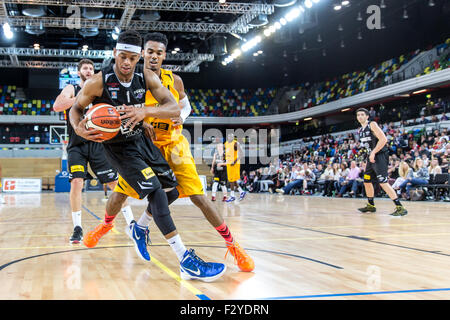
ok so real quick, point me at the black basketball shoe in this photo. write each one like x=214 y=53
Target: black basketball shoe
x=77 y=235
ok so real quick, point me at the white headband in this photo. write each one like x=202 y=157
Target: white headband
x=128 y=47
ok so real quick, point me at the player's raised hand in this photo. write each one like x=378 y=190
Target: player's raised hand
x=133 y=114
x=92 y=135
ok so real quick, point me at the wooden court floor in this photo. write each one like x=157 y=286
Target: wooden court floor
x=304 y=248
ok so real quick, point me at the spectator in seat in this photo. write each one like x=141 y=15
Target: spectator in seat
x=350 y=181
x=344 y=171
x=426 y=160
x=328 y=178
x=444 y=117
x=337 y=176
x=423 y=120
x=417 y=176
x=403 y=170
x=309 y=179
x=296 y=181
x=434 y=167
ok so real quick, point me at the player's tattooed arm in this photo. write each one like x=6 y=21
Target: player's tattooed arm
x=92 y=88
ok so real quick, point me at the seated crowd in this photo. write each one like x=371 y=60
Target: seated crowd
x=334 y=166
x=256 y=102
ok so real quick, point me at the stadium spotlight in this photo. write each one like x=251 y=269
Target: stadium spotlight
x=359 y=17
x=308 y=4
x=294 y=13
x=7 y=31
x=405 y=14
x=115 y=33
x=222 y=1
x=345 y=3
x=316 y=1
x=236 y=53
x=337 y=6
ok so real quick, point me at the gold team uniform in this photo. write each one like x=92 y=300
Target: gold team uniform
x=231 y=154
x=173 y=145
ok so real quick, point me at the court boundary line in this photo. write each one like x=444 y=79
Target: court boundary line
x=169 y=272
x=355 y=238
x=354 y=294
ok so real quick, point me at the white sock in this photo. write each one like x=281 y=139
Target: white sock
x=128 y=214
x=224 y=190
x=240 y=190
x=144 y=220
x=76 y=218
x=177 y=246
x=214 y=188
x=232 y=193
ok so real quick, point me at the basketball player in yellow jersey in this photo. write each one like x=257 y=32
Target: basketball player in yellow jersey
x=233 y=154
x=176 y=150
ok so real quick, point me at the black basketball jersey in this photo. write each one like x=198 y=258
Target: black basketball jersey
x=117 y=94
x=368 y=139
x=220 y=158
x=74 y=139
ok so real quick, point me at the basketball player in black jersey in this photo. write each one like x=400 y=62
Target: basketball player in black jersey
x=138 y=161
x=374 y=141
x=80 y=152
x=218 y=169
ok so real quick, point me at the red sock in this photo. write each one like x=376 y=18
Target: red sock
x=225 y=233
x=109 y=219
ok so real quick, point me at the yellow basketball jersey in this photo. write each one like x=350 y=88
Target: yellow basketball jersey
x=165 y=132
x=231 y=152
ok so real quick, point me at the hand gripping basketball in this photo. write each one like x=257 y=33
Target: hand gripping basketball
x=104 y=118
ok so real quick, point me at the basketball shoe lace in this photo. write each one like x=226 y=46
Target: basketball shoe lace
x=100 y=231
x=240 y=256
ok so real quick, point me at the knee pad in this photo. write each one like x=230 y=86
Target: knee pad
x=172 y=195
x=158 y=206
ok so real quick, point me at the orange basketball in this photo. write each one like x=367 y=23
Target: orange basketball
x=105 y=118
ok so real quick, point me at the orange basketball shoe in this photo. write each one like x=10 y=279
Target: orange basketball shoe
x=241 y=258
x=92 y=237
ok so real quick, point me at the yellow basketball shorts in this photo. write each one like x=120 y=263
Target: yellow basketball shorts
x=234 y=172
x=178 y=154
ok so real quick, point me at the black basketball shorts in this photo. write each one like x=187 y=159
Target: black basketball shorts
x=220 y=176
x=377 y=171
x=141 y=166
x=93 y=153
